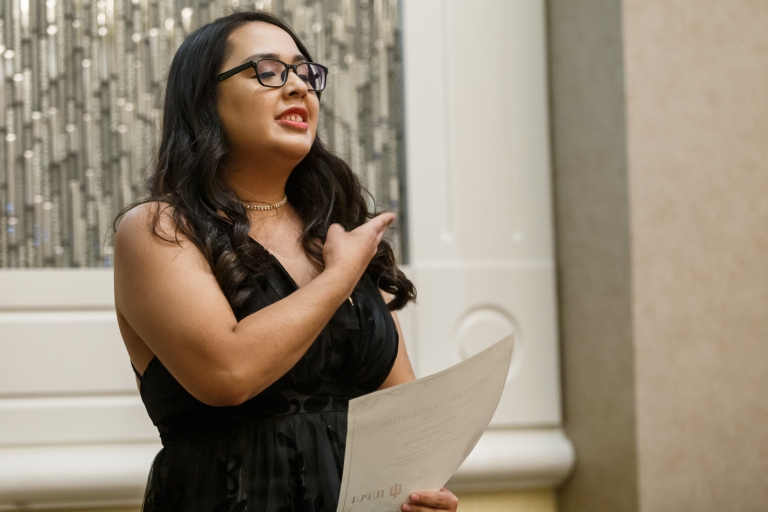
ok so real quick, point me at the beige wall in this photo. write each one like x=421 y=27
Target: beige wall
x=592 y=219
x=523 y=501
x=695 y=78
x=697 y=104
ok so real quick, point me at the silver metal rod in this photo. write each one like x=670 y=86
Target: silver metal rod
x=78 y=247
x=37 y=230
x=29 y=180
x=2 y=101
x=45 y=233
x=10 y=175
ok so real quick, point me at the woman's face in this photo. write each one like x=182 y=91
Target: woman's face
x=261 y=122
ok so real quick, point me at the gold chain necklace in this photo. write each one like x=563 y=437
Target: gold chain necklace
x=268 y=207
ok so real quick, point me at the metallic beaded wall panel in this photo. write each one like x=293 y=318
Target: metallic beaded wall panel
x=80 y=98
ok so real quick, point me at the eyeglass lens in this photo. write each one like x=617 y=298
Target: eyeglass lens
x=273 y=73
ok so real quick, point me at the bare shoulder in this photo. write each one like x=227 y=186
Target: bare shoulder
x=149 y=230
x=153 y=218
x=149 y=250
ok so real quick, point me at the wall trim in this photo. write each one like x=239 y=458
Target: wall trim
x=74 y=476
x=86 y=476
x=507 y=460
x=56 y=288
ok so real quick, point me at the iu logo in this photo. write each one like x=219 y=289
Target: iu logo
x=395 y=490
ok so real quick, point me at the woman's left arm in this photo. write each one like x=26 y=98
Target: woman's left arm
x=402 y=372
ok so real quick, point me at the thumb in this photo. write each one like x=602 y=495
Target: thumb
x=381 y=222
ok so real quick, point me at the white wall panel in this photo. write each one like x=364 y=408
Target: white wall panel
x=56 y=288
x=478 y=159
x=62 y=352
x=67 y=420
x=427 y=108
x=479 y=193
x=465 y=310
x=65 y=376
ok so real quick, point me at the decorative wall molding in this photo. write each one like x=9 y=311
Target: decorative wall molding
x=115 y=474
x=74 y=475
x=52 y=289
x=505 y=460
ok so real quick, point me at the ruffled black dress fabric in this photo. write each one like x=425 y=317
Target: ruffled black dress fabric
x=282 y=450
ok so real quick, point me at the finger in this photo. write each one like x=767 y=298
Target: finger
x=442 y=500
x=381 y=222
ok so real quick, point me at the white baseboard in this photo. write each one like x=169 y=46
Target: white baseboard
x=74 y=476
x=505 y=460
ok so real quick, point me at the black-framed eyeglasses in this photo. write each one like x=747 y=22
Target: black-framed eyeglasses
x=274 y=73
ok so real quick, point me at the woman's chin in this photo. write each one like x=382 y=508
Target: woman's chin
x=290 y=150
x=295 y=151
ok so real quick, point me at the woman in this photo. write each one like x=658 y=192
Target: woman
x=253 y=297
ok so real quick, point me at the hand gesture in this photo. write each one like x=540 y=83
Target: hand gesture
x=350 y=252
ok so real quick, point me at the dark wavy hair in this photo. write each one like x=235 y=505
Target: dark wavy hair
x=322 y=188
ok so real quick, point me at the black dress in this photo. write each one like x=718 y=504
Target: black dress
x=282 y=450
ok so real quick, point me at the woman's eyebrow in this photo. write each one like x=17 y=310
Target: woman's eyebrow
x=257 y=56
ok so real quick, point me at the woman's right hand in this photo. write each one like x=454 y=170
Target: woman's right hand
x=350 y=252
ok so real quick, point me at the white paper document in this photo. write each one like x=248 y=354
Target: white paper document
x=414 y=436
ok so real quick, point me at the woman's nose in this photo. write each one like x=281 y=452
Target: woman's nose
x=294 y=84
